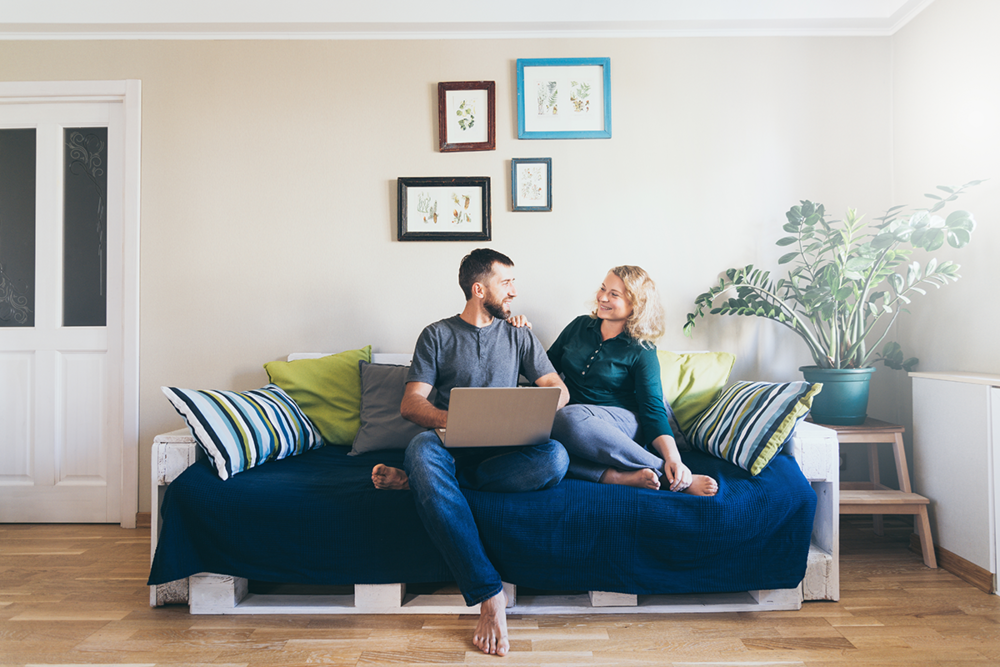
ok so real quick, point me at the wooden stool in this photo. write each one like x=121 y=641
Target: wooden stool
x=874 y=497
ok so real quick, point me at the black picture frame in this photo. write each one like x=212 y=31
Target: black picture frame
x=443 y=209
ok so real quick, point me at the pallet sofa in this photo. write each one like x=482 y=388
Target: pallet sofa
x=313 y=521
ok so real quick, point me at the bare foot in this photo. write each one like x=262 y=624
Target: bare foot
x=702 y=485
x=392 y=479
x=641 y=479
x=491 y=630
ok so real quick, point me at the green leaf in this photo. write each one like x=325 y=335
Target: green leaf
x=883 y=240
x=960 y=220
x=958 y=238
x=937 y=239
x=947 y=189
x=920 y=219
x=788 y=240
x=785 y=259
x=859 y=263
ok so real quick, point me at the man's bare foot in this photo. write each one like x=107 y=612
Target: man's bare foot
x=491 y=630
x=702 y=485
x=641 y=479
x=392 y=479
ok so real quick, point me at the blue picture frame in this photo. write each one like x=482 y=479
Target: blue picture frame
x=582 y=86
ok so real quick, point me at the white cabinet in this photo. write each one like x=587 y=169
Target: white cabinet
x=956 y=428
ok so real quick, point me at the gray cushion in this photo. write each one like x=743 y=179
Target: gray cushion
x=382 y=427
x=679 y=438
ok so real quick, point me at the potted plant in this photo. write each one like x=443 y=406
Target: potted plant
x=847 y=284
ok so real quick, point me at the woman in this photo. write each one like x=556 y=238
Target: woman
x=616 y=428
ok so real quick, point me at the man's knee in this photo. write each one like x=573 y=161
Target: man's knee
x=556 y=463
x=425 y=450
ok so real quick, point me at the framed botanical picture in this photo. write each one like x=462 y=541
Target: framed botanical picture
x=444 y=209
x=467 y=116
x=531 y=183
x=564 y=98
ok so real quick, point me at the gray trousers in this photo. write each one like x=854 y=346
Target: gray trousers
x=599 y=437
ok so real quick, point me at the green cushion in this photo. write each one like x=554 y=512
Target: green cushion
x=692 y=381
x=327 y=389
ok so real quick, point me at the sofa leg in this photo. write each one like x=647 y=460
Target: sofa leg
x=785 y=598
x=510 y=590
x=606 y=599
x=174 y=592
x=215 y=593
x=379 y=596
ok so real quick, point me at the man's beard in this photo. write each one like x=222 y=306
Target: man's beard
x=497 y=308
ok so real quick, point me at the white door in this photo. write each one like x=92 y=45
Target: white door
x=61 y=378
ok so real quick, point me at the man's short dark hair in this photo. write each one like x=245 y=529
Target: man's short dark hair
x=477 y=267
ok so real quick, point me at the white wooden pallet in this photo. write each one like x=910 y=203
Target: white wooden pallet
x=218 y=594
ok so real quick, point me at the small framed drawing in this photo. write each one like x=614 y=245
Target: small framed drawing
x=444 y=209
x=467 y=116
x=531 y=183
x=564 y=98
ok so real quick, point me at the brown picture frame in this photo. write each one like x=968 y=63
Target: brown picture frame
x=461 y=106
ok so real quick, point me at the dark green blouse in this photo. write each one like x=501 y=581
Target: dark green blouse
x=618 y=372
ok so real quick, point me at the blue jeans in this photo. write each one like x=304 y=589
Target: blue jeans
x=436 y=475
x=598 y=437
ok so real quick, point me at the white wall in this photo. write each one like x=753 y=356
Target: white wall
x=268 y=191
x=946 y=120
x=946 y=131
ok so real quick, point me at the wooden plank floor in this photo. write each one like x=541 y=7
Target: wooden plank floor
x=76 y=595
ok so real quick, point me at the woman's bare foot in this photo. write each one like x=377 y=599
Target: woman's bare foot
x=392 y=479
x=702 y=485
x=491 y=630
x=641 y=479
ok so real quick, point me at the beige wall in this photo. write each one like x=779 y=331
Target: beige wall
x=268 y=186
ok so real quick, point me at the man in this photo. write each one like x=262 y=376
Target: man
x=476 y=348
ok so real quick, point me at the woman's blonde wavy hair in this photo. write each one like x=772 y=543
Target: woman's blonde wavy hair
x=646 y=323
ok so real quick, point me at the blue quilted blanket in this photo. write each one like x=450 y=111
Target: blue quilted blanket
x=316 y=519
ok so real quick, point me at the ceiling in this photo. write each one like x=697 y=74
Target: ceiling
x=446 y=19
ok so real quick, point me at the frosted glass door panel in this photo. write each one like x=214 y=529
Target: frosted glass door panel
x=17 y=227
x=85 y=222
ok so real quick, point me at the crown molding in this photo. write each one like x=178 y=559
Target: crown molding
x=438 y=31
x=432 y=19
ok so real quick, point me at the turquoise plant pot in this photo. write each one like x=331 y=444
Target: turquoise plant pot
x=844 y=399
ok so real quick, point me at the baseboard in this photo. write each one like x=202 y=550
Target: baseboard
x=143 y=520
x=958 y=566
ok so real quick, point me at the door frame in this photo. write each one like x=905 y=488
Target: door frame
x=128 y=94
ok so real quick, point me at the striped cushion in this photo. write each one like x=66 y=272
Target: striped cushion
x=239 y=430
x=750 y=422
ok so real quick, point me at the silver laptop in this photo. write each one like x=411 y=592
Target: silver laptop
x=499 y=416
